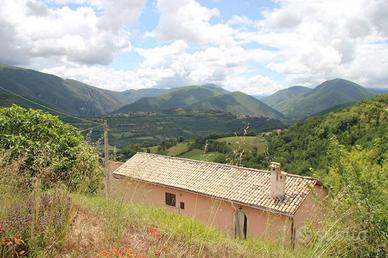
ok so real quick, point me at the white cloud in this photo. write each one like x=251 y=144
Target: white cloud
x=80 y=35
x=171 y=66
x=320 y=40
x=306 y=41
x=163 y=55
x=241 y=20
x=257 y=84
x=188 y=20
x=112 y=79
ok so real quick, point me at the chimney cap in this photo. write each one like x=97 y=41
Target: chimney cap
x=274 y=165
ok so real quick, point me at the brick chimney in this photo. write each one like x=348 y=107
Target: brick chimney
x=278 y=181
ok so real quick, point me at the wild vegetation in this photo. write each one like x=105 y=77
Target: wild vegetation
x=48 y=149
x=348 y=151
x=304 y=146
x=46 y=212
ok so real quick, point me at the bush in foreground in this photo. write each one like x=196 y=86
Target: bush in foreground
x=49 y=149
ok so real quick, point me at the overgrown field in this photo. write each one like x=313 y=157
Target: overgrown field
x=156 y=127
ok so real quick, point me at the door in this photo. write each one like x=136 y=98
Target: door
x=240 y=224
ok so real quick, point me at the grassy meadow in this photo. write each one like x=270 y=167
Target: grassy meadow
x=248 y=143
x=198 y=154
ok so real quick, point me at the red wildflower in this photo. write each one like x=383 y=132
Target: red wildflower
x=17 y=240
x=154 y=233
x=152 y=230
x=22 y=252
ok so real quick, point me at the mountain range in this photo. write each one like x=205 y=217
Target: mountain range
x=68 y=96
x=80 y=99
x=178 y=98
x=77 y=98
x=299 y=102
x=203 y=98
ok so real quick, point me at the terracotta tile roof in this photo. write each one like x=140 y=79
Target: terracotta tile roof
x=238 y=184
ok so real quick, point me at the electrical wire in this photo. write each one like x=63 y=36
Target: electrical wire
x=54 y=110
x=91 y=128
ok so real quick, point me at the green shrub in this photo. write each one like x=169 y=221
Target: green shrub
x=51 y=150
x=357 y=219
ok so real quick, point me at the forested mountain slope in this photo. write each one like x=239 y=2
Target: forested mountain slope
x=281 y=99
x=237 y=103
x=327 y=95
x=178 y=98
x=305 y=144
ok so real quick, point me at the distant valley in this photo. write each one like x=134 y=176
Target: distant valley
x=151 y=115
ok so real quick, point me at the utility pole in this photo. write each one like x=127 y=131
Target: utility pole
x=114 y=152
x=106 y=159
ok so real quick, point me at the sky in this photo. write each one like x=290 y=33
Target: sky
x=254 y=46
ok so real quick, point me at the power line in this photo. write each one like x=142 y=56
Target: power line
x=54 y=110
x=84 y=130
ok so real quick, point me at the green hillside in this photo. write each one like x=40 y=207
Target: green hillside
x=68 y=96
x=7 y=99
x=65 y=95
x=134 y=95
x=237 y=103
x=325 y=96
x=280 y=99
x=203 y=99
x=178 y=98
x=305 y=145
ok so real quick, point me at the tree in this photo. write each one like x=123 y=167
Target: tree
x=51 y=150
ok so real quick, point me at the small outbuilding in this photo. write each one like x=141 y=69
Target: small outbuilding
x=243 y=202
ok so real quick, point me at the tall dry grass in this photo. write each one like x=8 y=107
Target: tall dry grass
x=33 y=222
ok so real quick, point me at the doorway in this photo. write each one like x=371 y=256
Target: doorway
x=240 y=224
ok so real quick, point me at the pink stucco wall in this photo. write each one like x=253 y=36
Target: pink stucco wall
x=310 y=212
x=217 y=213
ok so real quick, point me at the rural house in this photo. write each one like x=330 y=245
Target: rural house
x=243 y=202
